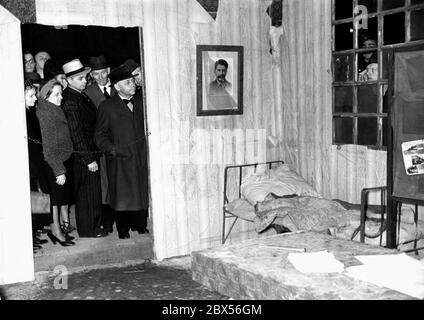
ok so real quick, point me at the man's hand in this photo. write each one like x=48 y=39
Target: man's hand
x=93 y=167
x=60 y=180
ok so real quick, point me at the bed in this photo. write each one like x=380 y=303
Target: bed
x=273 y=195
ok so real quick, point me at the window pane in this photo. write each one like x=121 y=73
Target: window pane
x=385 y=88
x=344 y=9
x=391 y=4
x=416 y=1
x=343 y=67
x=386 y=66
x=417 y=25
x=367 y=66
x=368 y=99
x=370 y=4
x=343 y=99
x=394 y=28
x=385 y=131
x=367 y=131
x=343 y=36
x=343 y=129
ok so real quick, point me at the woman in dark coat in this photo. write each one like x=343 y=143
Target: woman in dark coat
x=58 y=154
x=37 y=166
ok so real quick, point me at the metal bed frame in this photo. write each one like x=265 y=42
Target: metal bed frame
x=383 y=212
x=227 y=214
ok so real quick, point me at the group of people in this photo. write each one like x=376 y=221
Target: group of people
x=87 y=146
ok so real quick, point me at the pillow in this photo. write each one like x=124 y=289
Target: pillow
x=242 y=209
x=281 y=181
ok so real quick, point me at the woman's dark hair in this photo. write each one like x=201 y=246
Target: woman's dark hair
x=28 y=84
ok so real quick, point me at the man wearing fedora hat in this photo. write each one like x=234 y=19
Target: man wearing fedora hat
x=100 y=90
x=80 y=113
x=135 y=71
x=120 y=133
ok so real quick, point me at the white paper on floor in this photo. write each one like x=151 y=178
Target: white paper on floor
x=394 y=271
x=316 y=262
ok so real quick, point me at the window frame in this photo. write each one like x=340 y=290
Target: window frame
x=382 y=82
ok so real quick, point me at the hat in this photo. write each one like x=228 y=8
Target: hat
x=98 y=63
x=131 y=64
x=74 y=67
x=28 y=84
x=33 y=76
x=51 y=69
x=120 y=73
x=47 y=87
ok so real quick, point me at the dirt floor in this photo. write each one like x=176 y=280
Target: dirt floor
x=166 y=280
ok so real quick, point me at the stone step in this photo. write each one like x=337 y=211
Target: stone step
x=94 y=251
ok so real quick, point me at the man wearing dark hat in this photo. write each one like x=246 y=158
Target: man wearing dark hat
x=135 y=71
x=100 y=90
x=80 y=113
x=120 y=134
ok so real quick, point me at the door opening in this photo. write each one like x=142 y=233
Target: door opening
x=64 y=44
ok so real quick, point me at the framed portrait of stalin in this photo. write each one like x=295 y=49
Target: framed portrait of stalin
x=219 y=80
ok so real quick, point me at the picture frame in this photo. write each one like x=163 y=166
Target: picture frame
x=219 y=80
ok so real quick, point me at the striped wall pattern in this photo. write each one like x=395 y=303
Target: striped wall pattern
x=306 y=89
x=107 y=13
x=187 y=170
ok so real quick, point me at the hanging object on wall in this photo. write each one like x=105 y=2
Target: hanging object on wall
x=198 y=13
x=275 y=12
x=211 y=6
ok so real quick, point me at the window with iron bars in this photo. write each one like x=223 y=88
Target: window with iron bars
x=364 y=34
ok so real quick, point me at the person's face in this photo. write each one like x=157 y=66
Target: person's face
x=126 y=87
x=100 y=76
x=77 y=82
x=61 y=78
x=41 y=58
x=56 y=95
x=29 y=62
x=220 y=72
x=30 y=97
x=368 y=44
x=372 y=71
x=137 y=76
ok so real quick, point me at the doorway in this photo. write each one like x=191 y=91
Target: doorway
x=63 y=44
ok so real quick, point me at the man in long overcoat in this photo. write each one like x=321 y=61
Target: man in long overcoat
x=100 y=90
x=120 y=134
x=80 y=114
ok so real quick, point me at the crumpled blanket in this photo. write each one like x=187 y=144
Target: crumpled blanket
x=302 y=213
